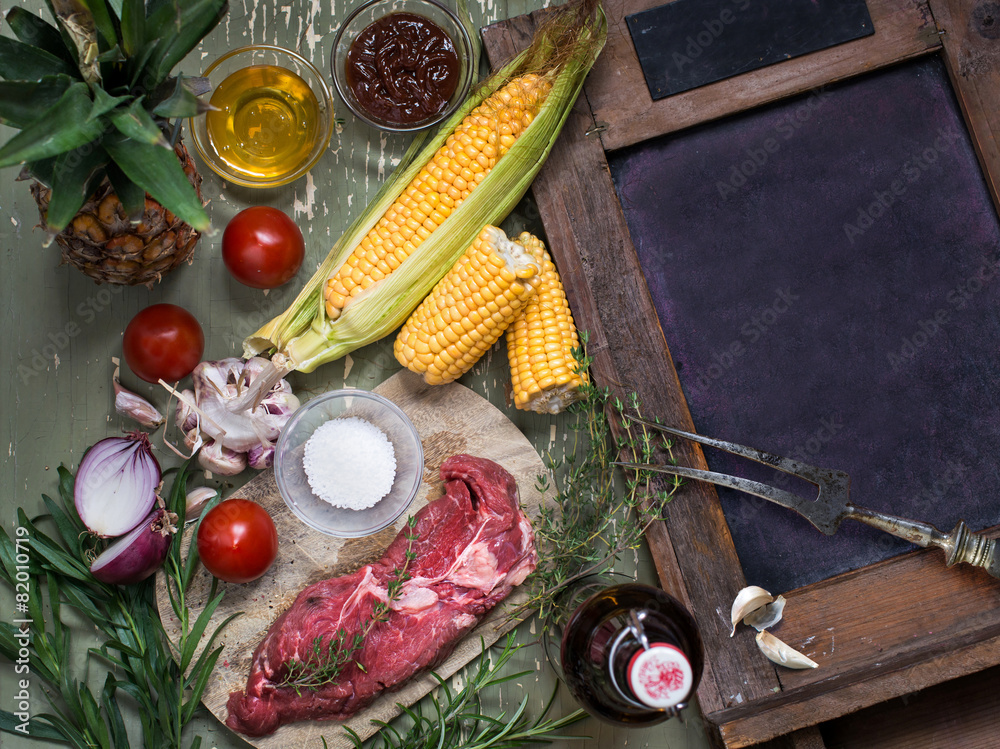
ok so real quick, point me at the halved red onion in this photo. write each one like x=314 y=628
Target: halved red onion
x=138 y=554
x=116 y=484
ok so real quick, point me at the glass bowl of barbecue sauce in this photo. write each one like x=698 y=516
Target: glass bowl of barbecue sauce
x=402 y=65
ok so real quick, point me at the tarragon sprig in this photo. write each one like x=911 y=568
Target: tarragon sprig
x=162 y=676
x=326 y=661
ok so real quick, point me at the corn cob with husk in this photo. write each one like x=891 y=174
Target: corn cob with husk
x=469 y=309
x=541 y=340
x=537 y=89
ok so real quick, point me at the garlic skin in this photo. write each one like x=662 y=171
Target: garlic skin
x=217 y=415
x=748 y=601
x=261 y=456
x=767 y=615
x=220 y=460
x=135 y=407
x=196 y=499
x=781 y=653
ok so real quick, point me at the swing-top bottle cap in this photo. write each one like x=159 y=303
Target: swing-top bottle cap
x=661 y=676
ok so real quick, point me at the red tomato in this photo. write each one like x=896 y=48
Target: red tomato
x=262 y=247
x=163 y=341
x=237 y=541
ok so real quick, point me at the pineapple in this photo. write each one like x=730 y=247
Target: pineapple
x=93 y=99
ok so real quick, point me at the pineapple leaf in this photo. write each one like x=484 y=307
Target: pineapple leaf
x=78 y=22
x=101 y=20
x=72 y=178
x=37 y=32
x=22 y=62
x=112 y=55
x=158 y=171
x=182 y=101
x=175 y=28
x=23 y=102
x=133 y=15
x=132 y=196
x=103 y=103
x=136 y=123
x=62 y=127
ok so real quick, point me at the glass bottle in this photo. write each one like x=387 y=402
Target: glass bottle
x=630 y=653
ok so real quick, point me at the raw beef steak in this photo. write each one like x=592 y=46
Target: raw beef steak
x=473 y=546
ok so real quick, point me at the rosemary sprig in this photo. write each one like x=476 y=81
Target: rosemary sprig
x=161 y=676
x=596 y=518
x=325 y=662
x=447 y=719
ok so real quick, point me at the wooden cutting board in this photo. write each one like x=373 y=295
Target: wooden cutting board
x=450 y=419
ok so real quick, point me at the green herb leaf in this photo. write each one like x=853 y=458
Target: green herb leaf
x=133 y=15
x=159 y=172
x=37 y=729
x=119 y=736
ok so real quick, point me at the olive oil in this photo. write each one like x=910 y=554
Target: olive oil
x=266 y=123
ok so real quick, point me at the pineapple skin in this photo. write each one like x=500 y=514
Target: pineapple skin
x=102 y=243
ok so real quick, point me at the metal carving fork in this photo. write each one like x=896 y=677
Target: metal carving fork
x=832 y=505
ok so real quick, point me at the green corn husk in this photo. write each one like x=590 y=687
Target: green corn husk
x=303 y=337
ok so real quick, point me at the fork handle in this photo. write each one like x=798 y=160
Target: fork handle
x=961 y=545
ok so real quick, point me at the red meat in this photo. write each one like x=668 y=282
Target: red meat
x=473 y=546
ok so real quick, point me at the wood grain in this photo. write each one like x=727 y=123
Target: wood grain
x=620 y=99
x=450 y=419
x=879 y=632
x=610 y=301
x=970 y=32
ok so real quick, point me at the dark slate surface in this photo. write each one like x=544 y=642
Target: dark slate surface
x=688 y=43
x=827 y=275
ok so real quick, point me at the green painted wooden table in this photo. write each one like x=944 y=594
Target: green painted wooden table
x=59 y=332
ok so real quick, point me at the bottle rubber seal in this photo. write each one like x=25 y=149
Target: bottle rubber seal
x=660 y=677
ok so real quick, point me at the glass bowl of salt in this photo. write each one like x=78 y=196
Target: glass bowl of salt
x=349 y=463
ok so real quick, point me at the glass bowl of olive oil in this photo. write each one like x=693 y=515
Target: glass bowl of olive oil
x=272 y=117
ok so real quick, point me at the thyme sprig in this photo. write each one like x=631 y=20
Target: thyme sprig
x=447 y=719
x=325 y=662
x=596 y=517
x=163 y=676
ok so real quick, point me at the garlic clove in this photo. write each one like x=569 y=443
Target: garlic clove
x=748 y=601
x=134 y=406
x=220 y=460
x=196 y=499
x=767 y=615
x=781 y=653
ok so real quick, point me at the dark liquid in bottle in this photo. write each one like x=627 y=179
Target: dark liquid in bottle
x=600 y=642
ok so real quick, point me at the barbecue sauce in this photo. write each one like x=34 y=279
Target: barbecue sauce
x=631 y=654
x=402 y=69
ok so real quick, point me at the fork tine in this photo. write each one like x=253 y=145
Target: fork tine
x=805 y=471
x=764 y=491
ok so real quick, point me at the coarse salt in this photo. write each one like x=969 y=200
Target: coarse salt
x=349 y=463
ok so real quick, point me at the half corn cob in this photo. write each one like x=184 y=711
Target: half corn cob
x=306 y=335
x=541 y=340
x=468 y=155
x=469 y=309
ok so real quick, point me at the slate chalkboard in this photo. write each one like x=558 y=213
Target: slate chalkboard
x=827 y=275
x=689 y=43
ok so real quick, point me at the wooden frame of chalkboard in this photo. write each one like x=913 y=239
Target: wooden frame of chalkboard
x=933 y=623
